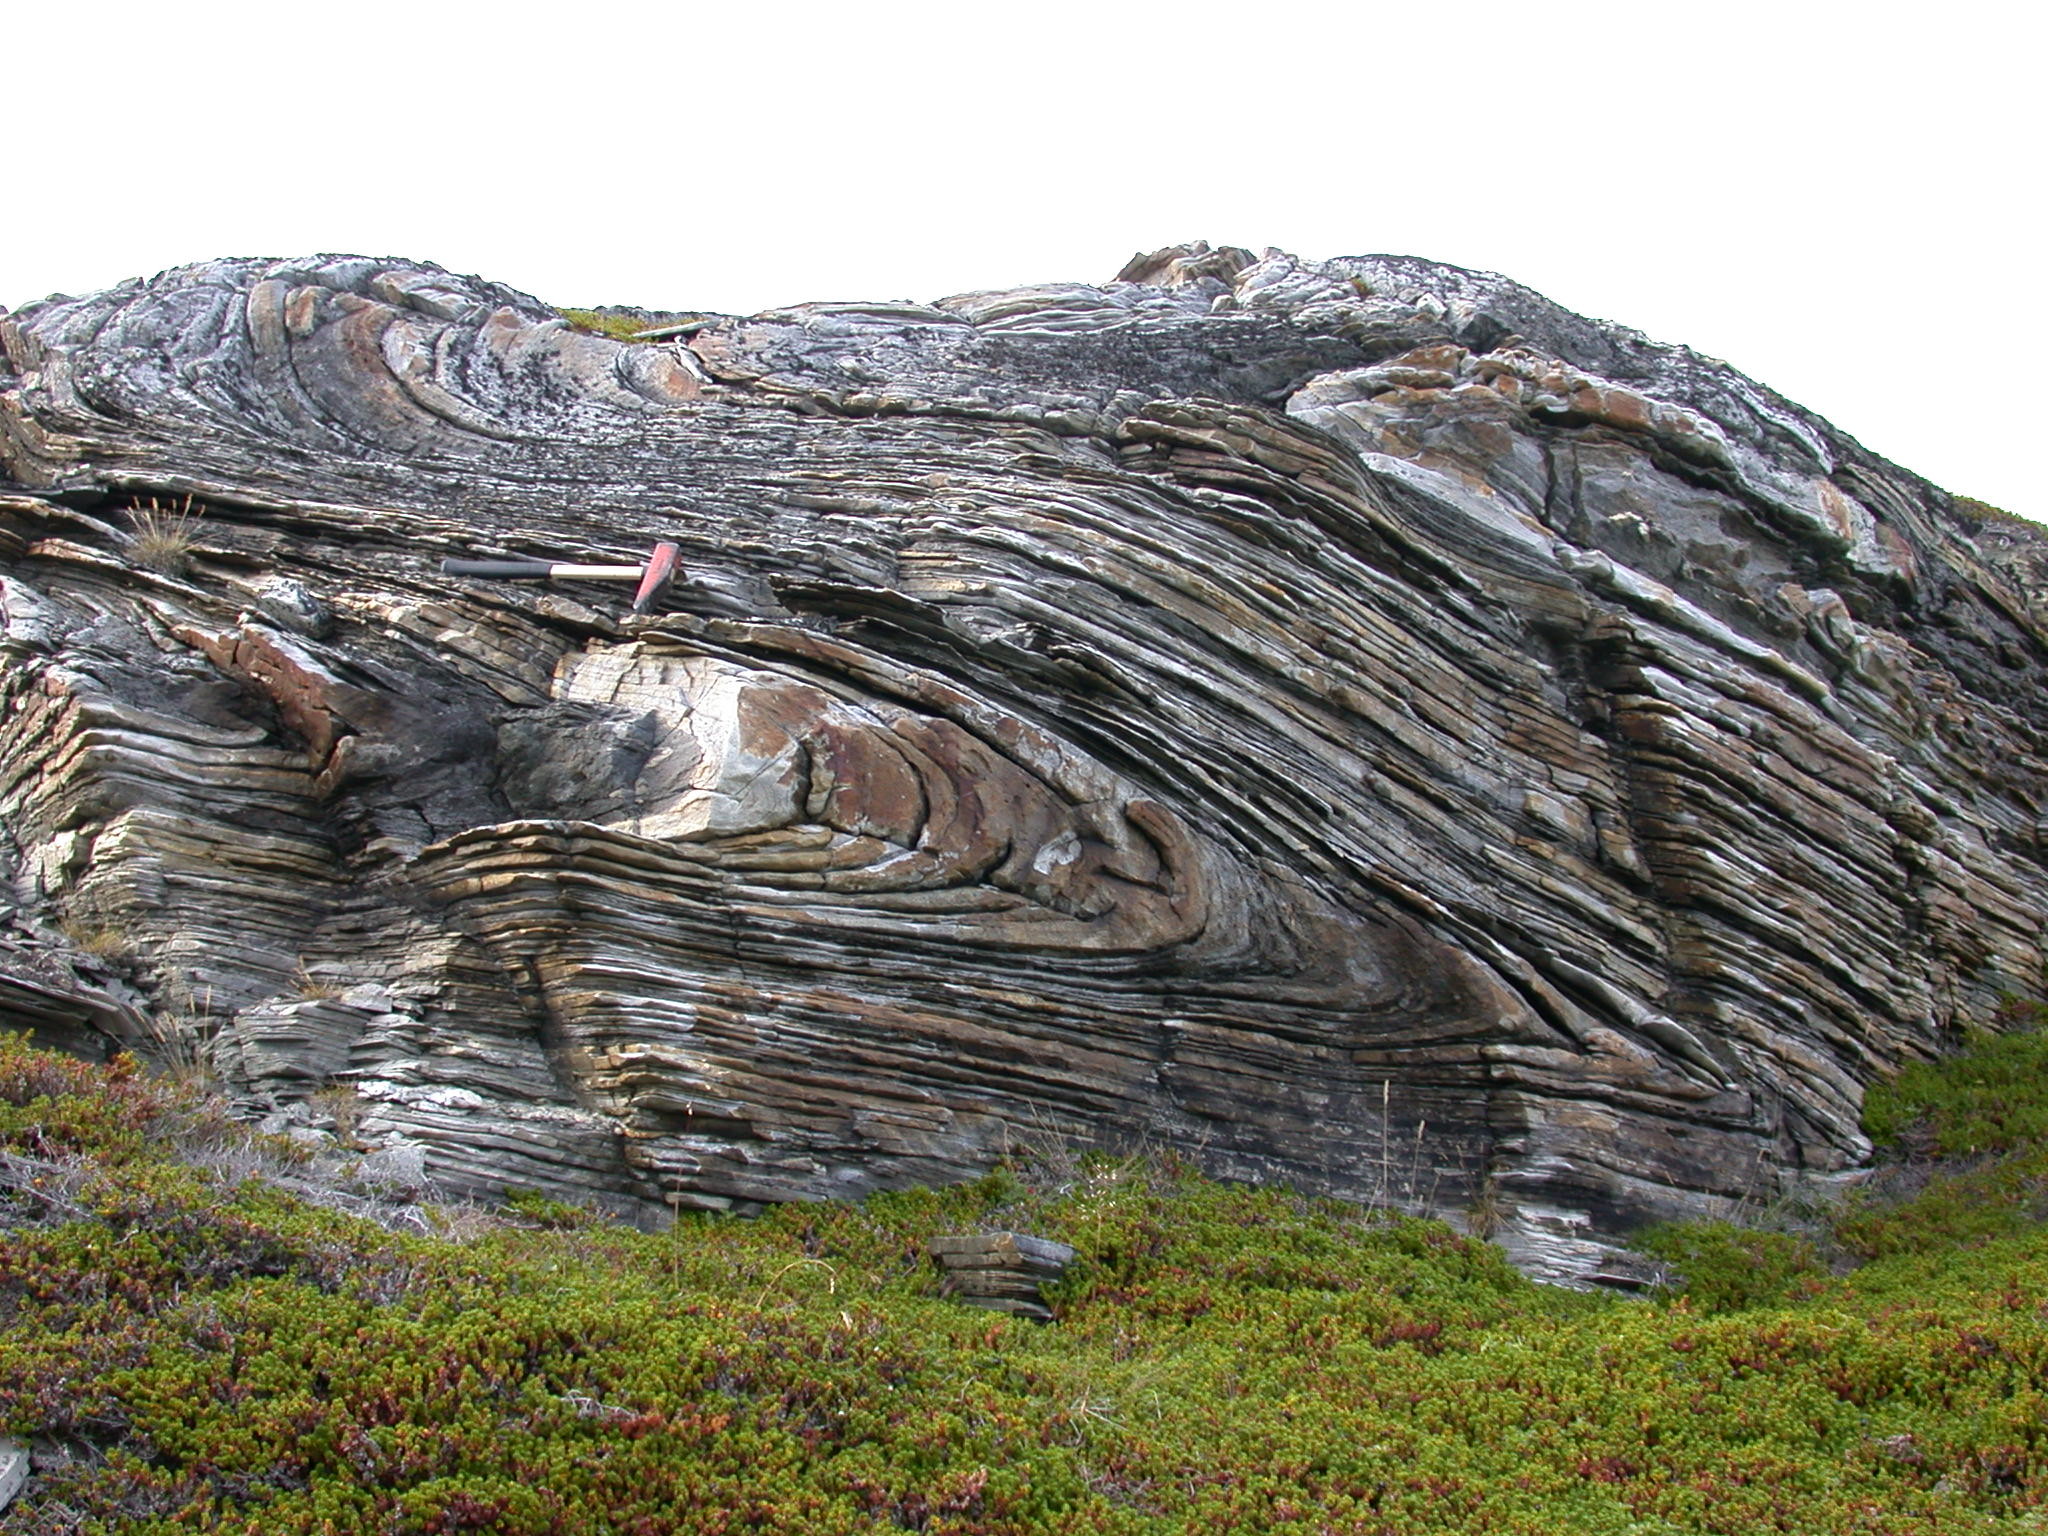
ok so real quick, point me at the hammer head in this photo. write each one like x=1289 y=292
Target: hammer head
x=661 y=570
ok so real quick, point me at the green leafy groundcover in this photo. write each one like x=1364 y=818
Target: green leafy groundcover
x=193 y=1354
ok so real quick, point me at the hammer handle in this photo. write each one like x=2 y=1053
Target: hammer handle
x=543 y=570
x=539 y=568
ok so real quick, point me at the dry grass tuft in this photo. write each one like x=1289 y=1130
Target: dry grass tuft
x=181 y=1029
x=99 y=941
x=164 y=535
x=342 y=1107
x=312 y=988
x=1488 y=1212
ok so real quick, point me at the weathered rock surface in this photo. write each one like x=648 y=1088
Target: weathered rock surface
x=1354 y=720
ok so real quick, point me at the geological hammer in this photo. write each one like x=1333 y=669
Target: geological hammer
x=654 y=576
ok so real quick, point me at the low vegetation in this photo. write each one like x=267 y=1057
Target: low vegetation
x=627 y=324
x=1985 y=512
x=191 y=1349
x=162 y=534
x=618 y=325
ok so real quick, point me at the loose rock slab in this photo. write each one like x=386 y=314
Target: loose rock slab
x=14 y=1463
x=1002 y=1271
x=1353 y=721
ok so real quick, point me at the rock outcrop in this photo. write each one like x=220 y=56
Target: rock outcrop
x=1354 y=720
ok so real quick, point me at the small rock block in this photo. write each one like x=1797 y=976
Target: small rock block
x=13 y=1470
x=1001 y=1271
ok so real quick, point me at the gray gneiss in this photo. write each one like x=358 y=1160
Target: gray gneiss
x=1354 y=721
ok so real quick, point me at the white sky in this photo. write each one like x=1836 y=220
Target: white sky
x=1839 y=199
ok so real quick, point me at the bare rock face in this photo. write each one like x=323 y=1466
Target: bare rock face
x=1354 y=721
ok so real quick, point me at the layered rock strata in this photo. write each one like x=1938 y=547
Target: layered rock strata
x=1354 y=721
x=1001 y=1271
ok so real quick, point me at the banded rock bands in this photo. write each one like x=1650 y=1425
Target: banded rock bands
x=1353 y=720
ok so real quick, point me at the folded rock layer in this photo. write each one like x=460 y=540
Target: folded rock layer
x=1353 y=721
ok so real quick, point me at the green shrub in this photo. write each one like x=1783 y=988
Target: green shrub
x=1721 y=1267
x=1990 y=1097
x=1985 y=512
x=52 y=1105
x=215 y=1356
x=534 y=1206
x=602 y=322
x=1956 y=1211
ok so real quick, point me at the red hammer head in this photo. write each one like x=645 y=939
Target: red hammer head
x=661 y=570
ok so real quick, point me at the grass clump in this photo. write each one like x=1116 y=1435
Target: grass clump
x=605 y=322
x=192 y=1352
x=1730 y=1268
x=97 y=940
x=1967 y=1144
x=1985 y=512
x=1963 y=1144
x=534 y=1206
x=163 y=536
x=314 y=988
x=1990 y=1097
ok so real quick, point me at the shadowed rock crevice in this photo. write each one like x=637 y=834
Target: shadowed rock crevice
x=1354 y=720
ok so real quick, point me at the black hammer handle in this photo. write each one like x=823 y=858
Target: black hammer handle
x=539 y=568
